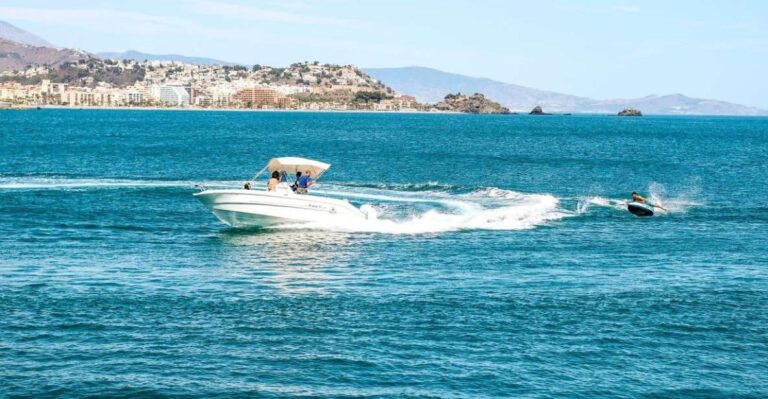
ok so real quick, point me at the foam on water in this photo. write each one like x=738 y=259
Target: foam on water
x=418 y=208
x=484 y=209
x=657 y=193
x=586 y=203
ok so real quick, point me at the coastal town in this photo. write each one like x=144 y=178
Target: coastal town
x=93 y=82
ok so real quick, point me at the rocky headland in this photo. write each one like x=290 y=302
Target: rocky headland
x=474 y=104
x=630 y=112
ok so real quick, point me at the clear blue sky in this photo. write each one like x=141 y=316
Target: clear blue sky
x=600 y=49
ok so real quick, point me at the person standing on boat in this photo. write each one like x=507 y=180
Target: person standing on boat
x=304 y=182
x=639 y=198
x=274 y=181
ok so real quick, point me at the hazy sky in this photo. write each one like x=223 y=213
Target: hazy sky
x=600 y=49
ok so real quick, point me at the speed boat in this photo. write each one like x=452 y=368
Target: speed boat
x=261 y=208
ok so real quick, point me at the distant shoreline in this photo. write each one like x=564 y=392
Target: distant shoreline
x=355 y=111
x=198 y=109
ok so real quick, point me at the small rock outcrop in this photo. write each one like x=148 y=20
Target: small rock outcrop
x=630 y=112
x=474 y=104
x=538 y=111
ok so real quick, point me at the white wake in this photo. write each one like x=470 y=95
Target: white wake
x=403 y=209
x=482 y=209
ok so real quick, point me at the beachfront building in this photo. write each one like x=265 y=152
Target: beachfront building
x=51 y=89
x=261 y=97
x=203 y=101
x=14 y=92
x=76 y=97
x=171 y=95
x=132 y=97
x=51 y=93
x=220 y=98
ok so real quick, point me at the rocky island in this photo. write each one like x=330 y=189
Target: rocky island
x=474 y=104
x=538 y=111
x=630 y=112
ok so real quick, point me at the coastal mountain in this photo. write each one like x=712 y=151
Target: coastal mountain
x=672 y=104
x=19 y=49
x=15 y=34
x=139 y=56
x=17 y=56
x=430 y=85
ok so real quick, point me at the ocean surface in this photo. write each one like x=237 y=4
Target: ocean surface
x=504 y=262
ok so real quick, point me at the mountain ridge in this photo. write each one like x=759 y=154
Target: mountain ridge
x=141 y=56
x=15 y=34
x=429 y=85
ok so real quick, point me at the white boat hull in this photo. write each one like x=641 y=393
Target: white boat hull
x=253 y=208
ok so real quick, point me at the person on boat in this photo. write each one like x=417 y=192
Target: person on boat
x=295 y=184
x=639 y=198
x=274 y=181
x=247 y=185
x=305 y=182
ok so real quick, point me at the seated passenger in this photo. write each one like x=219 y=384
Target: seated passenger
x=274 y=181
x=247 y=185
x=304 y=182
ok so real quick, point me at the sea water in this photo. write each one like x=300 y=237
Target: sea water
x=503 y=262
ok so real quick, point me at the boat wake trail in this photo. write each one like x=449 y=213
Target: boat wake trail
x=63 y=183
x=431 y=212
x=418 y=208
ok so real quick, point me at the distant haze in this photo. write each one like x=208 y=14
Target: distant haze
x=139 y=56
x=431 y=85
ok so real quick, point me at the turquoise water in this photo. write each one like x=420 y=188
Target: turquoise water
x=504 y=264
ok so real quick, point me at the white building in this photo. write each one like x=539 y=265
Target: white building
x=171 y=95
x=132 y=96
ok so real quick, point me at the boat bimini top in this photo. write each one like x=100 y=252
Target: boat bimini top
x=293 y=165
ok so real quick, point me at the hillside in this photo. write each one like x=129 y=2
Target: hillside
x=430 y=85
x=16 y=56
x=18 y=35
x=139 y=56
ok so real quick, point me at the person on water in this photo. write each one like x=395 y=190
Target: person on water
x=274 y=181
x=305 y=182
x=639 y=198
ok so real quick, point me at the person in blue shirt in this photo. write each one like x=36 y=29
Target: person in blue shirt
x=304 y=182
